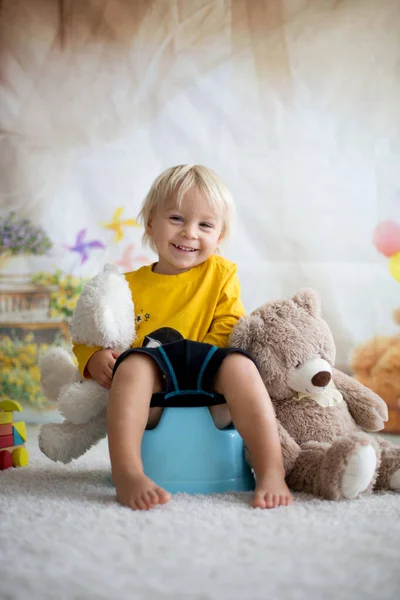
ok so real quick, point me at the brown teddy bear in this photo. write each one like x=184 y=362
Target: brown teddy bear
x=321 y=412
x=376 y=364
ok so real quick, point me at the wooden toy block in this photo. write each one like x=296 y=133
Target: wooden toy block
x=12 y=436
x=21 y=428
x=10 y=448
x=9 y=405
x=6 y=460
x=6 y=417
x=18 y=440
x=20 y=457
x=6 y=440
x=6 y=429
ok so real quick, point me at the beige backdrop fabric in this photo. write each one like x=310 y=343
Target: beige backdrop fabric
x=295 y=103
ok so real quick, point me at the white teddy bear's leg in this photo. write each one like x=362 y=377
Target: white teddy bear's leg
x=65 y=441
x=56 y=370
x=82 y=401
x=359 y=472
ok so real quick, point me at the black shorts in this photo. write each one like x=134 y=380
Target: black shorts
x=189 y=369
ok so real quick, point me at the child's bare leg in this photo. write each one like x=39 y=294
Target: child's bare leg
x=134 y=382
x=252 y=413
x=221 y=415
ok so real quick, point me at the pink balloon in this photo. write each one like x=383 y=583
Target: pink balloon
x=386 y=238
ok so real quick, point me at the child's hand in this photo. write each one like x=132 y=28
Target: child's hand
x=100 y=366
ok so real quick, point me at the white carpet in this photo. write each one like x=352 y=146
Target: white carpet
x=63 y=536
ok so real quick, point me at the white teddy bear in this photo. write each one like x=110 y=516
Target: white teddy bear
x=104 y=316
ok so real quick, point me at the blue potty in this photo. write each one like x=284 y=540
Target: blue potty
x=185 y=452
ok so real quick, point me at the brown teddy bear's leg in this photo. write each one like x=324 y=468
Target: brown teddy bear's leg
x=389 y=472
x=305 y=474
x=343 y=469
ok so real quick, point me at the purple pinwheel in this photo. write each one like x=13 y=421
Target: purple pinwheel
x=82 y=247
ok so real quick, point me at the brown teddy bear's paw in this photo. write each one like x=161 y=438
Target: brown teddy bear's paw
x=359 y=472
x=395 y=481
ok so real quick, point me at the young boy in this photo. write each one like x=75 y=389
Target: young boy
x=189 y=300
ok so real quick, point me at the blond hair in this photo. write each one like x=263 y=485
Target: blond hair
x=176 y=182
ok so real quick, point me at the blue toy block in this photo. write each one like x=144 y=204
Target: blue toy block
x=18 y=440
x=185 y=452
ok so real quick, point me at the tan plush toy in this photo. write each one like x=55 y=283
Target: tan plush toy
x=323 y=415
x=376 y=364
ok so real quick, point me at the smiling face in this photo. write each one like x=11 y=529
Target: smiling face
x=185 y=236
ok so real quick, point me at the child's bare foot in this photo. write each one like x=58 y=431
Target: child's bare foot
x=271 y=491
x=139 y=492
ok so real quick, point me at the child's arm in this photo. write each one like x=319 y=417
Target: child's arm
x=227 y=313
x=83 y=354
x=96 y=363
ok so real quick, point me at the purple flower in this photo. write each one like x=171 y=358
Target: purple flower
x=19 y=236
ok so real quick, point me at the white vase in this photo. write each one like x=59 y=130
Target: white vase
x=18 y=268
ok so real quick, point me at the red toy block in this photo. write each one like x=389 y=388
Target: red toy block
x=6 y=429
x=6 y=460
x=6 y=440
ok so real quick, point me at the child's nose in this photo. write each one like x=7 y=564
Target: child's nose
x=190 y=231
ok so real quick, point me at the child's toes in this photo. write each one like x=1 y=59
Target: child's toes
x=259 y=500
x=142 y=502
x=151 y=498
x=270 y=500
x=163 y=495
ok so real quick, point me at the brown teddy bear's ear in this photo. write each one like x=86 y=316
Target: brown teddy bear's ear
x=308 y=299
x=244 y=333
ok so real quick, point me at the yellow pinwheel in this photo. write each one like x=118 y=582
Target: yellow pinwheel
x=116 y=224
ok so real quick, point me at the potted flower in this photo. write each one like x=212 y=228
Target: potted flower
x=19 y=240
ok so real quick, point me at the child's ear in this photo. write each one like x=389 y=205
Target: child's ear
x=149 y=225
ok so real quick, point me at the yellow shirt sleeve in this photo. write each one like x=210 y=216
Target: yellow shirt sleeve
x=83 y=353
x=228 y=311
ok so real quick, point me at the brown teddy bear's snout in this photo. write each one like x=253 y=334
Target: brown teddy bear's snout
x=311 y=376
x=321 y=379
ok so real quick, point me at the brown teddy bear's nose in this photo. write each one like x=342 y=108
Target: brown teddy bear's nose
x=321 y=379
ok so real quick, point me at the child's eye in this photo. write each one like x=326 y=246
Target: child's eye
x=206 y=225
x=176 y=218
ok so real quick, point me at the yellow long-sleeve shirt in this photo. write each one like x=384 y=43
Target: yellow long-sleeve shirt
x=203 y=304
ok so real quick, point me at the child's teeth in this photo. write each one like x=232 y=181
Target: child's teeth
x=184 y=248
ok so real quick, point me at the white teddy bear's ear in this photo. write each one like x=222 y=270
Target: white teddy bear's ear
x=104 y=314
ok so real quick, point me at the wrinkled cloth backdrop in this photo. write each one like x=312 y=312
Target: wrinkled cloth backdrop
x=294 y=103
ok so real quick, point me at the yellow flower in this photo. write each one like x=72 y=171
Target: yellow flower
x=35 y=373
x=71 y=304
x=31 y=349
